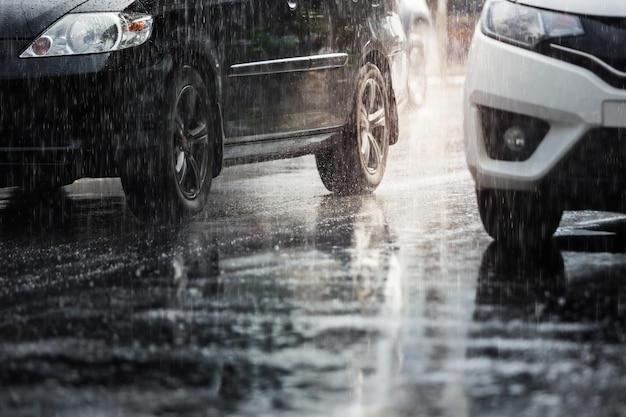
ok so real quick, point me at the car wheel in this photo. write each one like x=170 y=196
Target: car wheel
x=519 y=219
x=417 y=75
x=356 y=163
x=171 y=180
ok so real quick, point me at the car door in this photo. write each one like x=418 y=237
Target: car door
x=266 y=58
x=326 y=89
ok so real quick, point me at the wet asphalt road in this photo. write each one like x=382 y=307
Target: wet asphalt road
x=282 y=299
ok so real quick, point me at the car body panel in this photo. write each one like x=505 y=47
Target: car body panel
x=24 y=19
x=108 y=5
x=607 y=8
x=266 y=63
x=570 y=116
x=582 y=109
x=282 y=77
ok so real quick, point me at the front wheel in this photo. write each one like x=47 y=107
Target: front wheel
x=171 y=180
x=519 y=219
x=356 y=163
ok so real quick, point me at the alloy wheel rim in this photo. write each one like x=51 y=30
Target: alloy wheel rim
x=372 y=126
x=191 y=142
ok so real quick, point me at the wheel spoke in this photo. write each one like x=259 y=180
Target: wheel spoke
x=196 y=174
x=371 y=95
x=363 y=116
x=189 y=177
x=374 y=156
x=365 y=142
x=199 y=134
x=179 y=123
x=378 y=153
x=377 y=118
x=180 y=161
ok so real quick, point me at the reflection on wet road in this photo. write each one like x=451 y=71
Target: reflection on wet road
x=548 y=334
x=282 y=299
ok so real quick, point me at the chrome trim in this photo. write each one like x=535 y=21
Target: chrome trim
x=269 y=137
x=327 y=61
x=591 y=57
x=72 y=146
x=308 y=63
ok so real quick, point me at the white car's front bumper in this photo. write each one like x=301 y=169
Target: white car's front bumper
x=571 y=99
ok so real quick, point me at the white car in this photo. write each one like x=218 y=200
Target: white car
x=545 y=113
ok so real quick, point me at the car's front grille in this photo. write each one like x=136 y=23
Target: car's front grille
x=601 y=50
x=600 y=157
x=594 y=174
x=31 y=111
x=609 y=74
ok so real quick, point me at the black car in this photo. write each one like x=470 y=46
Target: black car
x=164 y=93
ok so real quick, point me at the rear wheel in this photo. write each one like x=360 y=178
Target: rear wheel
x=171 y=180
x=519 y=219
x=356 y=163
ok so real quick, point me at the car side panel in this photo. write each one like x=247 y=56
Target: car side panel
x=265 y=60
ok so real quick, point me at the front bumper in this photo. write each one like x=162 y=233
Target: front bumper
x=67 y=117
x=572 y=100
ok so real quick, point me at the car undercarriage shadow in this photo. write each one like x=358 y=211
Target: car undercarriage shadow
x=47 y=210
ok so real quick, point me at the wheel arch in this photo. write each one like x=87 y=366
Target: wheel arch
x=186 y=49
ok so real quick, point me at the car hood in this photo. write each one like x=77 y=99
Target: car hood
x=26 y=19
x=608 y=8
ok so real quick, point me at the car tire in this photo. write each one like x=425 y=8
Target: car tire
x=519 y=219
x=170 y=181
x=355 y=164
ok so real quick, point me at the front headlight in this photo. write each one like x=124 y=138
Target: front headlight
x=91 y=33
x=527 y=26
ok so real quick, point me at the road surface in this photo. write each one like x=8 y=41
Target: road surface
x=282 y=299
